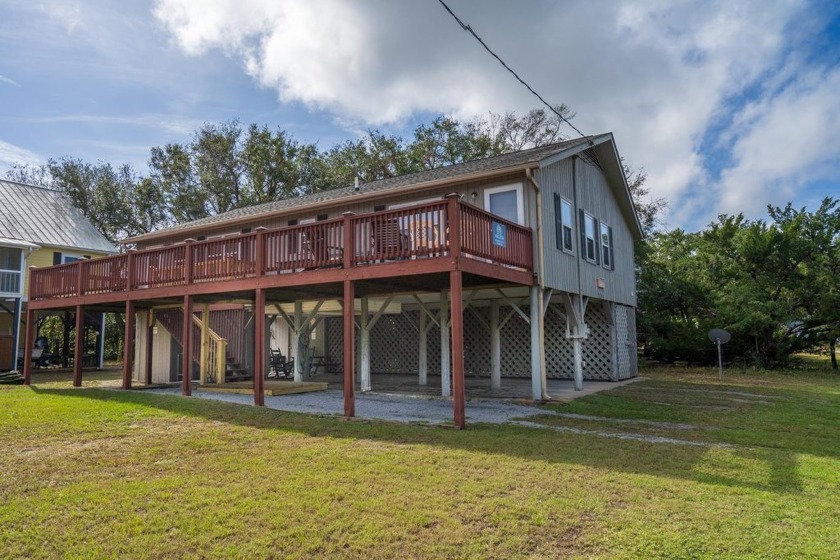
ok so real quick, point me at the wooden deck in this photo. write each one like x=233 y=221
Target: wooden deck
x=433 y=238
x=443 y=245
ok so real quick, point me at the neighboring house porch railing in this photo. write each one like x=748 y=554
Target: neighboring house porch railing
x=411 y=233
x=10 y=281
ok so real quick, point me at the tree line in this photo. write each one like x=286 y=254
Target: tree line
x=772 y=283
x=227 y=165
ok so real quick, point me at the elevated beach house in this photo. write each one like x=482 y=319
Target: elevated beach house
x=39 y=227
x=519 y=265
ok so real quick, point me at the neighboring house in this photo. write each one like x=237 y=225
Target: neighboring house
x=519 y=265
x=38 y=227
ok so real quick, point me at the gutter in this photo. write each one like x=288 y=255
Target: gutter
x=351 y=197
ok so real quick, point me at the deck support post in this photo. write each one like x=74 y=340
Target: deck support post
x=537 y=344
x=444 y=345
x=150 y=333
x=495 y=346
x=578 y=358
x=186 y=337
x=29 y=342
x=16 y=331
x=299 y=362
x=259 y=346
x=349 y=349
x=457 y=323
x=204 y=355
x=423 y=357
x=364 y=344
x=80 y=345
x=128 y=345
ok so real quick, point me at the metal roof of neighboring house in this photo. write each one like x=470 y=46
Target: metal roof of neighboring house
x=46 y=217
x=469 y=170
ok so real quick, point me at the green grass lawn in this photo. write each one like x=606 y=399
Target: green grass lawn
x=97 y=473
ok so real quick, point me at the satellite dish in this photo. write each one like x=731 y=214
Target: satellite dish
x=719 y=336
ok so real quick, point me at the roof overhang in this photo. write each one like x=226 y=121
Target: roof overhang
x=355 y=197
x=18 y=244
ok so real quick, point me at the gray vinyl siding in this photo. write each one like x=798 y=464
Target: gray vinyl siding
x=561 y=271
x=595 y=197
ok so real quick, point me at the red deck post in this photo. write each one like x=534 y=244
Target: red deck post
x=186 y=337
x=259 y=346
x=457 y=322
x=80 y=344
x=150 y=333
x=128 y=345
x=259 y=243
x=29 y=343
x=349 y=241
x=453 y=215
x=188 y=261
x=349 y=348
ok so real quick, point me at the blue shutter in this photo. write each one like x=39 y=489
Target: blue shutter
x=558 y=221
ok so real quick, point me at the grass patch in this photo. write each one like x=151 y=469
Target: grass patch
x=97 y=473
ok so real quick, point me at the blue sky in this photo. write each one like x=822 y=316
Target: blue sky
x=728 y=106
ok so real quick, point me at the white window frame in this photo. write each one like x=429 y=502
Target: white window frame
x=605 y=248
x=587 y=217
x=21 y=271
x=520 y=199
x=564 y=225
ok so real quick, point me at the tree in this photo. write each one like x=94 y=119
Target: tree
x=217 y=165
x=172 y=174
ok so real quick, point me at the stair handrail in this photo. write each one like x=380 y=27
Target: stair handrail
x=214 y=371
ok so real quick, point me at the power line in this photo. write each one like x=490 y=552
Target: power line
x=469 y=29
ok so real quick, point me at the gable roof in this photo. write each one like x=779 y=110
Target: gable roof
x=30 y=214
x=440 y=176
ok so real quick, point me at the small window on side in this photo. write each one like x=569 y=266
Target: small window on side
x=564 y=224
x=606 y=246
x=589 y=233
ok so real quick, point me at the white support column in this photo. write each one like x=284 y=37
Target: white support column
x=578 y=356
x=537 y=344
x=445 y=360
x=364 y=343
x=296 y=335
x=423 y=358
x=495 y=346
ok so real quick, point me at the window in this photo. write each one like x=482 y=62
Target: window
x=506 y=202
x=607 y=247
x=10 y=259
x=589 y=247
x=563 y=224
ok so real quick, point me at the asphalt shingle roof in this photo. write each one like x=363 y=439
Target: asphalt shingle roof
x=46 y=217
x=501 y=162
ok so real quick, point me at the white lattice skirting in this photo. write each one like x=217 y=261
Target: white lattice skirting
x=394 y=344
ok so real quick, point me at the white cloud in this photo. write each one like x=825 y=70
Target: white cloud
x=9 y=81
x=783 y=141
x=9 y=154
x=166 y=122
x=659 y=74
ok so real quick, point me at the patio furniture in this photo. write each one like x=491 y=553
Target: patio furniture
x=280 y=365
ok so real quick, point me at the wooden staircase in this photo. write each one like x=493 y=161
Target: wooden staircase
x=212 y=352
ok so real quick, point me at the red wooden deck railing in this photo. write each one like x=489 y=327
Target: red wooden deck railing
x=416 y=232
